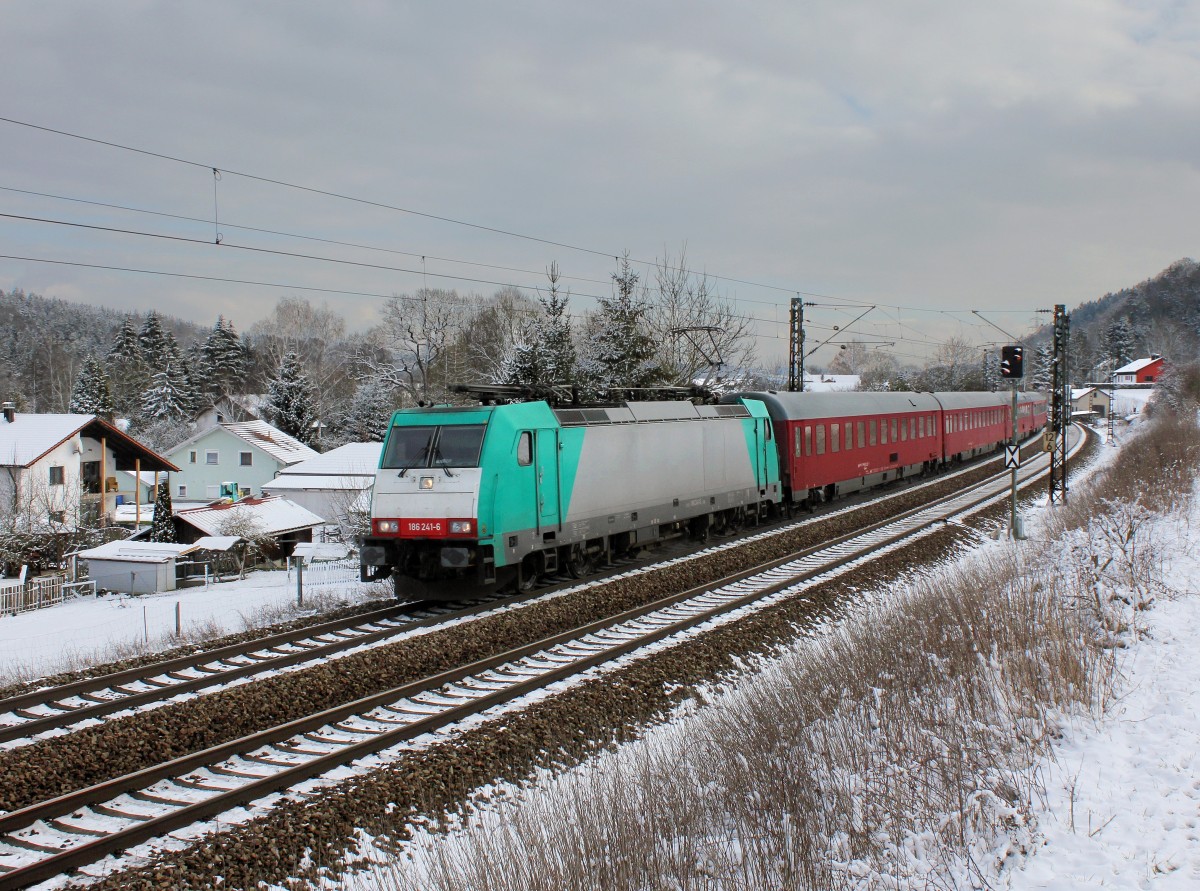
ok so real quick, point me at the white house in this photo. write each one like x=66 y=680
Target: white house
x=330 y=485
x=248 y=454
x=61 y=471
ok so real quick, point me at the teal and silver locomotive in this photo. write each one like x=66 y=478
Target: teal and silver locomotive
x=468 y=499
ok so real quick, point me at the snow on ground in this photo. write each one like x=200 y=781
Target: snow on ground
x=90 y=628
x=1123 y=794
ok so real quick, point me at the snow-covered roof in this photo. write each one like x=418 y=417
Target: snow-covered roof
x=148 y=477
x=135 y=551
x=215 y=542
x=129 y=513
x=312 y=550
x=283 y=448
x=351 y=459
x=287 y=482
x=1137 y=365
x=274 y=515
x=1077 y=393
x=28 y=437
x=825 y=383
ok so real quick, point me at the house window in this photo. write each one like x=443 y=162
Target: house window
x=56 y=475
x=212 y=491
x=210 y=457
x=191 y=457
x=246 y=459
x=182 y=490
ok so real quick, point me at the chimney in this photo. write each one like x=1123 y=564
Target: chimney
x=10 y=411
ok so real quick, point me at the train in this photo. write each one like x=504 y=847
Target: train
x=469 y=499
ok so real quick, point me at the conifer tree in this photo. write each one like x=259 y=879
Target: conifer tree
x=290 y=399
x=368 y=415
x=621 y=351
x=165 y=399
x=223 y=360
x=128 y=375
x=153 y=342
x=91 y=394
x=163 y=527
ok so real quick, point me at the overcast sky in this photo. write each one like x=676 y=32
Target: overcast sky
x=999 y=157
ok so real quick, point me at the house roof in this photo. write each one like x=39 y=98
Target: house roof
x=275 y=515
x=288 y=482
x=28 y=437
x=135 y=551
x=351 y=459
x=283 y=448
x=1137 y=365
x=1080 y=393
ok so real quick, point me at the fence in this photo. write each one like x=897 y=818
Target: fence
x=22 y=597
x=327 y=572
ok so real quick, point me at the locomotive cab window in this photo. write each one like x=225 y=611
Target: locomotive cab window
x=525 y=449
x=450 y=446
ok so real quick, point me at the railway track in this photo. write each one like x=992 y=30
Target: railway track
x=53 y=837
x=53 y=711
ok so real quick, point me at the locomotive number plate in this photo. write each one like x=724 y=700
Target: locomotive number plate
x=423 y=527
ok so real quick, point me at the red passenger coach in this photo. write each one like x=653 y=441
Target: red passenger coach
x=841 y=442
x=834 y=443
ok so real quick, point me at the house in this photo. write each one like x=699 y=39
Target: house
x=251 y=519
x=61 y=472
x=1139 y=371
x=231 y=410
x=1091 y=399
x=247 y=453
x=330 y=485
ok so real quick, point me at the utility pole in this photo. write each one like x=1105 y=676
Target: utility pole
x=795 y=382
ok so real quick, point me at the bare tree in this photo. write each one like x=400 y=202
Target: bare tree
x=687 y=300
x=241 y=522
x=413 y=348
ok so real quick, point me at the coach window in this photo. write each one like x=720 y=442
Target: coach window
x=883 y=431
x=835 y=437
x=525 y=449
x=821 y=439
x=921 y=427
x=874 y=434
x=808 y=441
x=894 y=437
x=912 y=428
x=903 y=432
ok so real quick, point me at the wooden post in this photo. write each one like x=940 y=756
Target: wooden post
x=137 y=493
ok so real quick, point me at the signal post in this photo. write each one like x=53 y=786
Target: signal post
x=1012 y=367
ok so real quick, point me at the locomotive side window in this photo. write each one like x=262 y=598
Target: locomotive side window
x=821 y=439
x=874 y=435
x=525 y=449
x=835 y=437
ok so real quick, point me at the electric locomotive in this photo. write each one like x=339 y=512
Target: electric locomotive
x=490 y=496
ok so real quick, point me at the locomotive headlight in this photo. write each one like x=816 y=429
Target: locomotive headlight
x=426 y=482
x=387 y=526
x=460 y=527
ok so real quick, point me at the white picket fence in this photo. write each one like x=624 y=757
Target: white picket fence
x=327 y=572
x=17 y=596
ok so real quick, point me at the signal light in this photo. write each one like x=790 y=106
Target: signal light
x=1012 y=361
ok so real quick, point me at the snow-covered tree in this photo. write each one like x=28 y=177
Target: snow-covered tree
x=1118 y=344
x=127 y=373
x=153 y=342
x=1041 y=375
x=620 y=350
x=223 y=360
x=367 y=416
x=163 y=527
x=91 y=394
x=166 y=399
x=290 y=399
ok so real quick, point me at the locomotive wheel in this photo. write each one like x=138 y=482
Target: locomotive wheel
x=527 y=575
x=580 y=562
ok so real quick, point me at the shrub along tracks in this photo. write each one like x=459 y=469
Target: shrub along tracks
x=313 y=744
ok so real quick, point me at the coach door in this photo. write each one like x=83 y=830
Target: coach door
x=546 y=462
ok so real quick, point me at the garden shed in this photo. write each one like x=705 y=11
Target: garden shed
x=133 y=567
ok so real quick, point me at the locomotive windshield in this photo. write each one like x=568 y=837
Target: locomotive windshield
x=451 y=446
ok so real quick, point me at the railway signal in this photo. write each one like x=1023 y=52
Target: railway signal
x=1012 y=361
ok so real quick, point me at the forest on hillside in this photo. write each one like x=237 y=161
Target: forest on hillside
x=327 y=385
